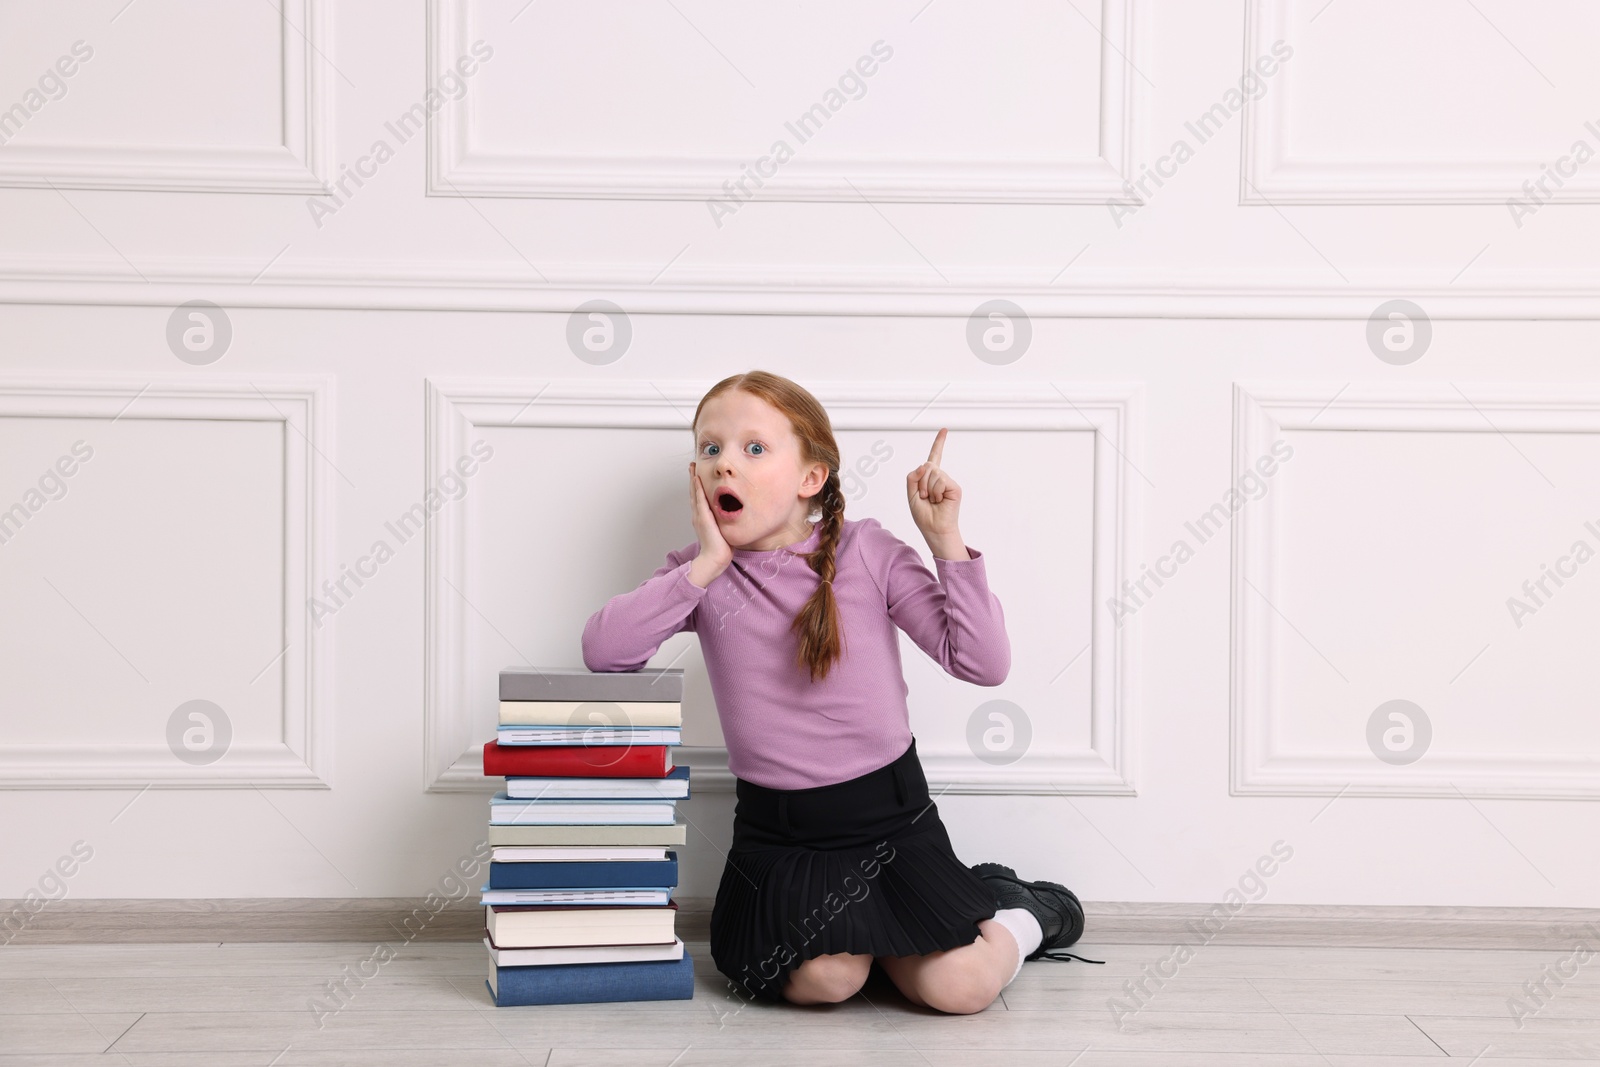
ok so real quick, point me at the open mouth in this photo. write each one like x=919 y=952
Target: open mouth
x=728 y=504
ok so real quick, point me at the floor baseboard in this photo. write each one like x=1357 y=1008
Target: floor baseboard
x=403 y=919
x=370 y=919
x=1363 y=925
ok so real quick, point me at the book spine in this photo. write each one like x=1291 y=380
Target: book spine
x=575 y=761
x=580 y=874
x=582 y=713
x=594 y=983
x=651 y=686
x=545 y=791
x=588 y=737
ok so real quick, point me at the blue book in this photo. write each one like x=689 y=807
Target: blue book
x=592 y=983
x=581 y=874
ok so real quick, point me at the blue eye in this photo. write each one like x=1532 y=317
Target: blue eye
x=706 y=448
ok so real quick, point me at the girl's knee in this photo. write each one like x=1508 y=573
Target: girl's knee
x=958 y=990
x=828 y=979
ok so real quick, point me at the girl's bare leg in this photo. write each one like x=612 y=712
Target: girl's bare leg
x=828 y=979
x=958 y=980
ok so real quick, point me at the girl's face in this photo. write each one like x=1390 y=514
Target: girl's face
x=746 y=448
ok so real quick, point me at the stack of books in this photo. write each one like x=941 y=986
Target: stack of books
x=579 y=904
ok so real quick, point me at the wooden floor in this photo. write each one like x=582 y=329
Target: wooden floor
x=227 y=1004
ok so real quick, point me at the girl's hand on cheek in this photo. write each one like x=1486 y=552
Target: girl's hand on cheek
x=714 y=548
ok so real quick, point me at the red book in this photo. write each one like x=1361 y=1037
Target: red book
x=576 y=761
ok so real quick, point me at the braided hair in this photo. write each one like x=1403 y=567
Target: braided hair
x=821 y=637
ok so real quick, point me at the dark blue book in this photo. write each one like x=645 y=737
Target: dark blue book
x=584 y=874
x=592 y=983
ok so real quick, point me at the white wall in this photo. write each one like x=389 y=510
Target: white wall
x=1172 y=340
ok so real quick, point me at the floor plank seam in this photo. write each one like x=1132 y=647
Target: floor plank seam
x=124 y=1034
x=1309 y=1043
x=1425 y=1034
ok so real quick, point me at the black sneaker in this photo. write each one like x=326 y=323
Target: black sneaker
x=1055 y=906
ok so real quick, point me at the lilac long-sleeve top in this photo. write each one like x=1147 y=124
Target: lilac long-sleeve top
x=783 y=730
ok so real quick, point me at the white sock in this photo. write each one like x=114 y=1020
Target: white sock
x=1025 y=928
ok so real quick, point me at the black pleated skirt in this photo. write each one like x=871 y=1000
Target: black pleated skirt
x=861 y=866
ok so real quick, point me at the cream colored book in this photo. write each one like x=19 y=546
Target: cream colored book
x=549 y=926
x=591 y=713
x=539 y=957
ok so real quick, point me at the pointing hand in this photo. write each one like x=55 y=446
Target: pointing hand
x=934 y=496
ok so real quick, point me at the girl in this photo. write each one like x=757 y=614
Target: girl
x=839 y=857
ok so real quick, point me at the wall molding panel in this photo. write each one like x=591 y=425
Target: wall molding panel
x=1270 y=174
x=301 y=164
x=771 y=290
x=1261 y=412
x=302 y=758
x=455 y=407
x=455 y=168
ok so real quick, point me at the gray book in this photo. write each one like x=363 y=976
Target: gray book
x=578 y=683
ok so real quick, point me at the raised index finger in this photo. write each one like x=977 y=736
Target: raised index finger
x=936 y=453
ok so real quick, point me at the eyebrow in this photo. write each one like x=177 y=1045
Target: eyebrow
x=754 y=434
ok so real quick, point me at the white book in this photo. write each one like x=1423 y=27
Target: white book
x=509 y=811
x=589 y=735
x=591 y=713
x=539 y=957
x=636 y=896
x=674 y=786
x=537 y=854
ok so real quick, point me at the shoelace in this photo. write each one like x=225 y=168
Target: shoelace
x=1063 y=956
